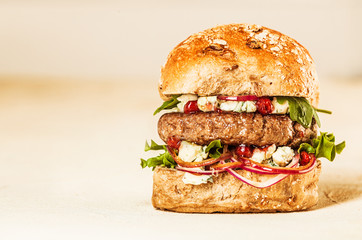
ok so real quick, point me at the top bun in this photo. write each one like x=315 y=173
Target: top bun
x=240 y=59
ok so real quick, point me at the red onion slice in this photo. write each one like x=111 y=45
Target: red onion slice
x=199 y=171
x=223 y=166
x=285 y=170
x=251 y=169
x=267 y=183
x=264 y=184
x=293 y=163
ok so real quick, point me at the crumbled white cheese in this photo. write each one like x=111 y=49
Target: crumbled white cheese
x=190 y=178
x=238 y=106
x=231 y=106
x=280 y=108
x=203 y=155
x=190 y=152
x=260 y=155
x=184 y=99
x=283 y=155
x=248 y=106
x=207 y=104
x=269 y=152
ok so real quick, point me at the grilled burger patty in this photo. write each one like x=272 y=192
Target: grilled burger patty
x=235 y=128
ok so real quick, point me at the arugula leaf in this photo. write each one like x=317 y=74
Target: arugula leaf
x=323 y=146
x=315 y=115
x=281 y=100
x=323 y=111
x=300 y=110
x=305 y=111
x=214 y=148
x=306 y=147
x=168 y=104
x=164 y=159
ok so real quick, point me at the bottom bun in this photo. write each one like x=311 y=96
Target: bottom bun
x=230 y=195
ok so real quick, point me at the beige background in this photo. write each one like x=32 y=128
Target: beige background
x=98 y=39
x=77 y=92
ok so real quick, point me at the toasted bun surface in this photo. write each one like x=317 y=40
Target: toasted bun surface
x=240 y=59
x=228 y=194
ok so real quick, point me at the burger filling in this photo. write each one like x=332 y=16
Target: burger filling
x=297 y=108
x=209 y=135
x=269 y=155
x=212 y=103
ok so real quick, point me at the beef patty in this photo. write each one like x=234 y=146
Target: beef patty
x=235 y=128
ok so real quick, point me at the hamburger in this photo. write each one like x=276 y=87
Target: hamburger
x=240 y=129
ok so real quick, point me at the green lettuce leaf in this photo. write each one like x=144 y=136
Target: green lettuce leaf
x=163 y=160
x=340 y=147
x=214 y=148
x=323 y=146
x=154 y=146
x=168 y=104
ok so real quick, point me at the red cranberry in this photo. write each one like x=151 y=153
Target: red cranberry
x=191 y=107
x=305 y=158
x=173 y=142
x=244 y=151
x=264 y=106
x=301 y=134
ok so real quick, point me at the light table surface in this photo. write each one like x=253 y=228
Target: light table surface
x=70 y=154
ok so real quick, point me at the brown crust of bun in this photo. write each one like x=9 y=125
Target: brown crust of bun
x=240 y=59
x=230 y=195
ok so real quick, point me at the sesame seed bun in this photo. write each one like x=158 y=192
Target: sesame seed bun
x=240 y=59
